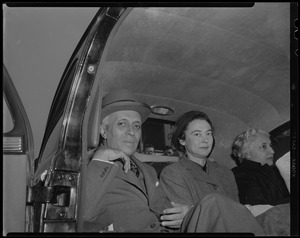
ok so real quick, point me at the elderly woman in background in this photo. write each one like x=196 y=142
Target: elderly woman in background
x=260 y=182
x=258 y=179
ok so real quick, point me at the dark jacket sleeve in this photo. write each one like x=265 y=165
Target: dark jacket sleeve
x=249 y=190
x=260 y=186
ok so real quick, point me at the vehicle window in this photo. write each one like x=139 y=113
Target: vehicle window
x=52 y=144
x=59 y=103
x=8 y=123
x=157 y=133
x=280 y=137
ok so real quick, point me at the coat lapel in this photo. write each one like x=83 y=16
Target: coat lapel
x=130 y=177
x=154 y=195
x=153 y=190
x=148 y=178
x=196 y=171
x=150 y=182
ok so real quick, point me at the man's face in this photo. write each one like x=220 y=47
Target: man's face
x=124 y=131
x=149 y=151
x=169 y=152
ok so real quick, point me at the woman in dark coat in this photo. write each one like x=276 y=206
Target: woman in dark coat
x=258 y=179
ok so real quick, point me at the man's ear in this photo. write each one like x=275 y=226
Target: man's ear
x=103 y=131
x=182 y=142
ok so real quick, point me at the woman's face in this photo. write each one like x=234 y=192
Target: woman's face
x=198 y=139
x=261 y=150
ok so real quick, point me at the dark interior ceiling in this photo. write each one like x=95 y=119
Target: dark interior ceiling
x=232 y=63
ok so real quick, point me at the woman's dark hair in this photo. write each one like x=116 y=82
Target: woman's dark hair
x=182 y=123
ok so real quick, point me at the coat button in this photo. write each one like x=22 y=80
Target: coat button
x=152 y=225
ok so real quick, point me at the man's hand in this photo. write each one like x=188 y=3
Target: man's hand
x=173 y=217
x=111 y=155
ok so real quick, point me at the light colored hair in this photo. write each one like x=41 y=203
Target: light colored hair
x=105 y=121
x=242 y=144
x=105 y=124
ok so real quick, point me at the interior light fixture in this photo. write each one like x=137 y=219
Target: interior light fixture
x=161 y=110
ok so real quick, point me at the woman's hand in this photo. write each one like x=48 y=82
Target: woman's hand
x=112 y=155
x=173 y=217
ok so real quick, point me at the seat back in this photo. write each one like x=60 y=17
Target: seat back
x=158 y=162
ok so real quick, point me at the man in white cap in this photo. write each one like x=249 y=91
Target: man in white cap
x=124 y=194
x=133 y=201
